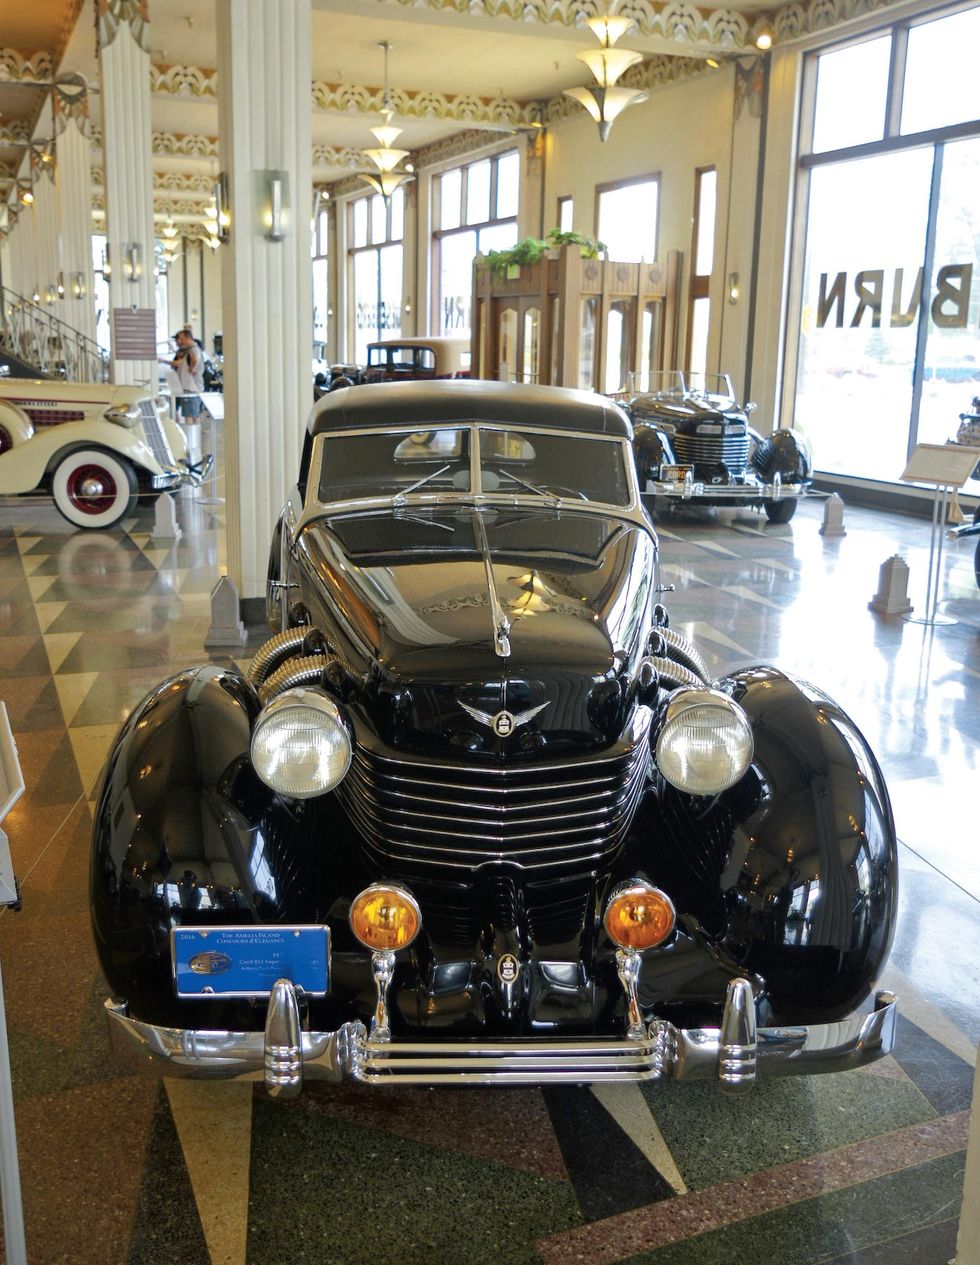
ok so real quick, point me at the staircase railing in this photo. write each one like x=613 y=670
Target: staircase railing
x=55 y=349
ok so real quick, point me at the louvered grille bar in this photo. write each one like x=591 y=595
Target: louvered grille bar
x=733 y=450
x=567 y=813
x=155 y=435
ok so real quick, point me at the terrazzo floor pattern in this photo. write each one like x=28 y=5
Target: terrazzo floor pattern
x=864 y=1167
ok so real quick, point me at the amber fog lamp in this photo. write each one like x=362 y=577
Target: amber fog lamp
x=385 y=917
x=639 y=917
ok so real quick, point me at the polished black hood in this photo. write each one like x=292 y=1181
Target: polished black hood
x=685 y=415
x=417 y=612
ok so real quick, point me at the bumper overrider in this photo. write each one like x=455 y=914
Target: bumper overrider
x=283 y=1055
x=192 y=474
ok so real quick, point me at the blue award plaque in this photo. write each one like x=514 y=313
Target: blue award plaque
x=213 y=962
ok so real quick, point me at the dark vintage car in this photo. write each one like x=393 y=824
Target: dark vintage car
x=693 y=441
x=477 y=813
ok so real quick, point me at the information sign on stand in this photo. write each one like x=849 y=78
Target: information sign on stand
x=11 y=789
x=947 y=467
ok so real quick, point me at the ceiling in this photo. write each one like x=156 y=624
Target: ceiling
x=434 y=50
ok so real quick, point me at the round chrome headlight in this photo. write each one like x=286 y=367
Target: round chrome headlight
x=300 y=745
x=705 y=742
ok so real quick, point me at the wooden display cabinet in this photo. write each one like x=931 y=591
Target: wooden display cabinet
x=574 y=322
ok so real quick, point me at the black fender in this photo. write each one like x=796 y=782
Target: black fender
x=786 y=453
x=652 y=449
x=792 y=874
x=186 y=833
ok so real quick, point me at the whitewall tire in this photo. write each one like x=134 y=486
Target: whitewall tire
x=94 y=488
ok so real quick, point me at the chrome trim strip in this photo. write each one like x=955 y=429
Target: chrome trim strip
x=744 y=491
x=501 y=624
x=664 y=1052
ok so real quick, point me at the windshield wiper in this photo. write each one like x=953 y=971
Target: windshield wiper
x=531 y=487
x=419 y=483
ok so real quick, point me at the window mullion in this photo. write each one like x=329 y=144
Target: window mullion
x=896 y=81
x=922 y=332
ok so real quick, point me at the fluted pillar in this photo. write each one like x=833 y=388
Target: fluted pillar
x=45 y=212
x=264 y=75
x=73 y=151
x=127 y=139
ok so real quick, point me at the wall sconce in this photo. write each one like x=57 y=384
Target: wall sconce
x=764 y=37
x=61 y=285
x=407 y=307
x=132 y=261
x=36 y=294
x=50 y=294
x=106 y=263
x=219 y=192
x=26 y=194
x=275 y=204
x=733 y=288
x=78 y=285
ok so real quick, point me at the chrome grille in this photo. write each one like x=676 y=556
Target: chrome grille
x=569 y=813
x=156 y=436
x=733 y=450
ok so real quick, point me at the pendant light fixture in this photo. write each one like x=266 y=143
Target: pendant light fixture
x=383 y=156
x=603 y=100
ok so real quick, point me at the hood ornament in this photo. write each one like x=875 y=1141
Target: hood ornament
x=503 y=723
x=501 y=624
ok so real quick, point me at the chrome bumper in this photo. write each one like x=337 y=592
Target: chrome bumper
x=283 y=1055
x=685 y=489
x=192 y=475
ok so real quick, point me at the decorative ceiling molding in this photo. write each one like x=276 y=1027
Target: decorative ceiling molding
x=341 y=98
x=457 y=146
x=173 y=145
x=347 y=99
x=163 y=207
x=169 y=182
x=16 y=132
x=20 y=67
x=332 y=156
x=184 y=81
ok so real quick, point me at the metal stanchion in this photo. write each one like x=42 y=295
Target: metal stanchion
x=946 y=467
x=11 y=789
x=212 y=497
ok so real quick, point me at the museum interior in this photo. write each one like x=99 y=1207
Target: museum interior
x=747 y=239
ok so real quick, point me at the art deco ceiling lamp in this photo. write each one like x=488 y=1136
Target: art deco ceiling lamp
x=603 y=99
x=384 y=157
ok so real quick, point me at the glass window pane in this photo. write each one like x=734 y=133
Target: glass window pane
x=941 y=71
x=697 y=359
x=360 y=217
x=707 y=195
x=565 y=214
x=587 y=345
x=379 y=219
x=390 y=315
x=450 y=186
x=397 y=215
x=505 y=370
x=320 y=300
x=530 y=365
x=456 y=283
x=499 y=237
x=858 y=326
x=852 y=86
x=323 y=233
x=628 y=221
x=478 y=192
x=951 y=372
x=365 y=302
x=508 y=185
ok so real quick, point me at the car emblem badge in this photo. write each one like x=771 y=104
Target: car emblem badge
x=508 y=969
x=210 y=963
x=503 y=723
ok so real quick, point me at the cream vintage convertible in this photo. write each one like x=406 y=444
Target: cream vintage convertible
x=93 y=446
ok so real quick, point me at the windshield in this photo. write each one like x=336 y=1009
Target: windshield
x=511 y=462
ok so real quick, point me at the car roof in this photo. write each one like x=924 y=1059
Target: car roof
x=436 y=341
x=468 y=400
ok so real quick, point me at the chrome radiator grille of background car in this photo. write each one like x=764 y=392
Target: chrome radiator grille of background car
x=155 y=435
x=571 y=812
x=733 y=450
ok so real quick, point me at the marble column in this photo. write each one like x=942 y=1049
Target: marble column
x=73 y=149
x=45 y=211
x=127 y=138
x=264 y=76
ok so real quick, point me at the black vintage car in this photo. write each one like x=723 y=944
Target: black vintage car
x=476 y=813
x=693 y=441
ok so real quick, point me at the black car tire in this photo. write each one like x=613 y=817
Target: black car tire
x=94 y=488
x=780 y=511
